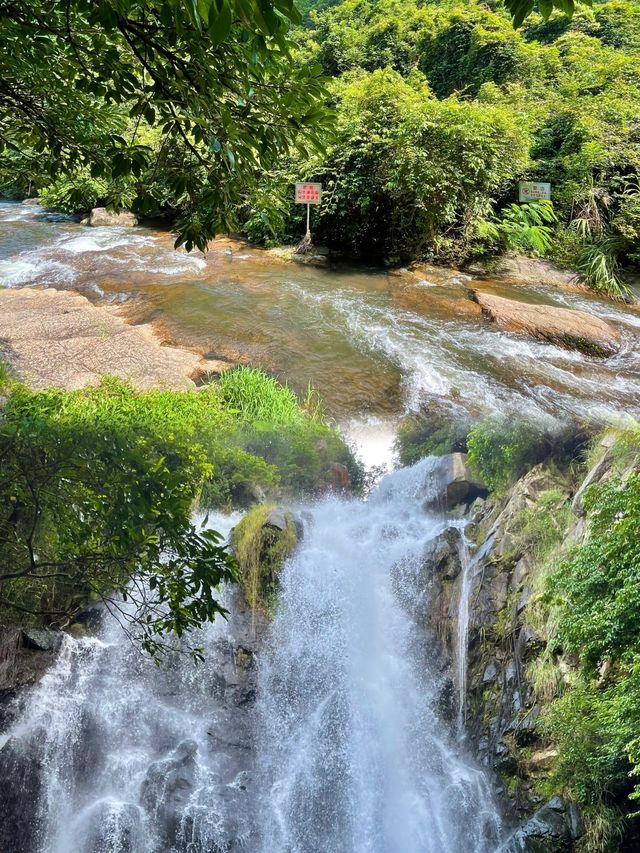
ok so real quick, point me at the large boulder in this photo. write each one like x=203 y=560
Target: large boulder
x=101 y=217
x=454 y=483
x=564 y=327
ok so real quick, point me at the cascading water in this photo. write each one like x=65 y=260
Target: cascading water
x=355 y=758
x=122 y=756
x=342 y=752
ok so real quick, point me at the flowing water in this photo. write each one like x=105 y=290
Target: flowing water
x=343 y=751
x=374 y=344
x=355 y=758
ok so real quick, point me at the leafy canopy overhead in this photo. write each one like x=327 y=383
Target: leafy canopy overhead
x=83 y=83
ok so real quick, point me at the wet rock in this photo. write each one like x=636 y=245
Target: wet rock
x=40 y=639
x=317 y=256
x=490 y=673
x=276 y=518
x=458 y=483
x=442 y=554
x=596 y=473
x=564 y=327
x=551 y=830
x=167 y=787
x=20 y=787
x=340 y=477
x=58 y=338
x=100 y=217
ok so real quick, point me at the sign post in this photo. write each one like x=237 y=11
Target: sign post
x=534 y=191
x=307 y=193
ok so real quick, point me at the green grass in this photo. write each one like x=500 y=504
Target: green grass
x=258 y=398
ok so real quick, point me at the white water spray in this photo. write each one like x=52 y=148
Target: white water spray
x=355 y=758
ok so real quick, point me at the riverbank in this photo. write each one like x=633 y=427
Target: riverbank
x=58 y=338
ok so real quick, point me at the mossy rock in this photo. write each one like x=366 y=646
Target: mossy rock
x=261 y=542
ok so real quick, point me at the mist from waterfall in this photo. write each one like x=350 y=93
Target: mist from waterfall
x=354 y=756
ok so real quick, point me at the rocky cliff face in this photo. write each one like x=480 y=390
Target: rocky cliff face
x=497 y=571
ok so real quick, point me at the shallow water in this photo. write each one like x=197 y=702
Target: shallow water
x=373 y=344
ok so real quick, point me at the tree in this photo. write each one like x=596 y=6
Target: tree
x=80 y=81
x=99 y=508
x=521 y=9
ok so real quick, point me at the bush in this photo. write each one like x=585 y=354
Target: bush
x=501 y=451
x=431 y=433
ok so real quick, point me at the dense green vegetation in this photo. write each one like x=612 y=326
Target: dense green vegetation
x=585 y=661
x=98 y=490
x=442 y=107
x=210 y=112
x=162 y=105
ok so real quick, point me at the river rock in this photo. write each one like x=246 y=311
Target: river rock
x=452 y=483
x=563 y=327
x=101 y=217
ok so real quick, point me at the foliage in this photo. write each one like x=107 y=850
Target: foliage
x=258 y=398
x=405 y=167
x=501 y=451
x=540 y=528
x=101 y=509
x=431 y=433
x=81 y=192
x=261 y=548
x=82 y=81
x=594 y=593
x=562 y=91
x=599 y=265
x=524 y=227
x=98 y=487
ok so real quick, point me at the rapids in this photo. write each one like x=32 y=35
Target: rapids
x=374 y=345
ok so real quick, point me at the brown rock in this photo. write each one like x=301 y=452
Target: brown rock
x=561 y=326
x=58 y=338
x=101 y=217
x=340 y=476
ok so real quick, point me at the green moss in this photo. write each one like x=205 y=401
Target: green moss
x=261 y=549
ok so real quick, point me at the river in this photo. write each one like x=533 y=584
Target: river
x=374 y=344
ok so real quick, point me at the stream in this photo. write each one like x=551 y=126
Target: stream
x=375 y=345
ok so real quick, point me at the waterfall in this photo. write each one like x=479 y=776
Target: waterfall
x=131 y=757
x=354 y=758
x=323 y=737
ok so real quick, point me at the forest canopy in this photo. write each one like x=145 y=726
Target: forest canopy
x=420 y=119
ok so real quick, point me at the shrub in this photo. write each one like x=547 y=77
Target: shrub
x=431 y=433
x=501 y=451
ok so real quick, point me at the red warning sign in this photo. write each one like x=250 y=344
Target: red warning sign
x=308 y=193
